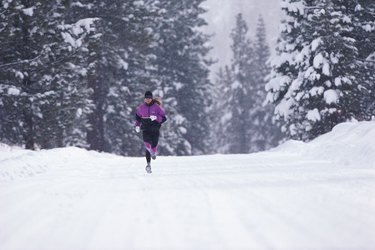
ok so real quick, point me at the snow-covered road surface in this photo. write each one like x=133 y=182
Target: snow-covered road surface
x=73 y=199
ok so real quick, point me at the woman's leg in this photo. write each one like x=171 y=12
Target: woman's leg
x=154 y=142
x=147 y=139
x=148 y=156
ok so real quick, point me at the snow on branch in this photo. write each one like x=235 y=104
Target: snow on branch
x=23 y=61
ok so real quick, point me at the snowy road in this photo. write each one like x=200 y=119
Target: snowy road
x=74 y=199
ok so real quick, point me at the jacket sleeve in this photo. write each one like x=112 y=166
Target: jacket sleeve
x=138 y=119
x=161 y=117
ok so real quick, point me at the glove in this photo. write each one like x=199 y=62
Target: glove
x=153 y=117
x=137 y=129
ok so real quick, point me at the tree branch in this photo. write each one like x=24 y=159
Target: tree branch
x=23 y=61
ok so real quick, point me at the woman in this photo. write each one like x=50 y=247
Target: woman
x=149 y=118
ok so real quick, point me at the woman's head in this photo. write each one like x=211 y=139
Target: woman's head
x=148 y=97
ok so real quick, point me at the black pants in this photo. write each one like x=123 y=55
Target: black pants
x=152 y=137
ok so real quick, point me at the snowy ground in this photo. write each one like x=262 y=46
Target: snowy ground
x=319 y=195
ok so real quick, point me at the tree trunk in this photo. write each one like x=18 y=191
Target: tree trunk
x=95 y=136
x=28 y=128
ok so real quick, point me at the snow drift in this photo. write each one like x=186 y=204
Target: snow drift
x=349 y=144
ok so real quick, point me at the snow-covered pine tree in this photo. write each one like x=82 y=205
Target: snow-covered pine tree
x=119 y=52
x=284 y=68
x=247 y=124
x=364 y=33
x=323 y=89
x=10 y=103
x=263 y=133
x=132 y=75
x=158 y=71
x=182 y=73
x=221 y=112
x=37 y=95
x=241 y=100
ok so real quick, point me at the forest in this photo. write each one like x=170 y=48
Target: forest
x=72 y=73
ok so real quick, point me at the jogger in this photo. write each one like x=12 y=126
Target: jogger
x=149 y=118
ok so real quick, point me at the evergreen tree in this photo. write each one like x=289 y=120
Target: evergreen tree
x=74 y=71
x=117 y=70
x=246 y=125
x=132 y=75
x=284 y=68
x=221 y=112
x=182 y=75
x=263 y=133
x=322 y=86
x=240 y=101
x=38 y=49
x=364 y=33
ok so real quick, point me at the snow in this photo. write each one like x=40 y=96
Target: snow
x=297 y=7
x=123 y=64
x=87 y=23
x=326 y=68
x=358 y=7
x=28 y=11
x=371 y=57
x=367 y=28
x=14 y=91
x=19 y=75
x=331 y=96
x=317 y=195
x=236 y=85
x=318 y=61
x=278 y=82
x=346 y=19
x=313 y=115
x=321 y=62
x=338 y=81
x=283 y=108
x=316 y=91
x=315 y=43
x=139 y=3
x=68 y=38
x=6 y=3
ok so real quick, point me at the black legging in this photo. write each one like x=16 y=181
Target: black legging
x=152 y=137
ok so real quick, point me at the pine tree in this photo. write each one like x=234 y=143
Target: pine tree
x=364 y=33
x=221 y=112
x=37 y=57
x=240 y=101
x=117 y=70
x=182 y=75
x=323 y=89
x=80 y=68
x=263 y=133
x=284 y=68
x=133 y=76
x=247 y=124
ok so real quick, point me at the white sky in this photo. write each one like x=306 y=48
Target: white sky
x=221 y=19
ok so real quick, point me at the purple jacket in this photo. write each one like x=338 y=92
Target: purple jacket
x=143 y=114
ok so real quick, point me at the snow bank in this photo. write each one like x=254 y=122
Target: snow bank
x=350 y=144
x=347 y=145
x=17 y=163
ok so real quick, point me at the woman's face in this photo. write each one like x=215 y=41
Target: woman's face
x=148 y=100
